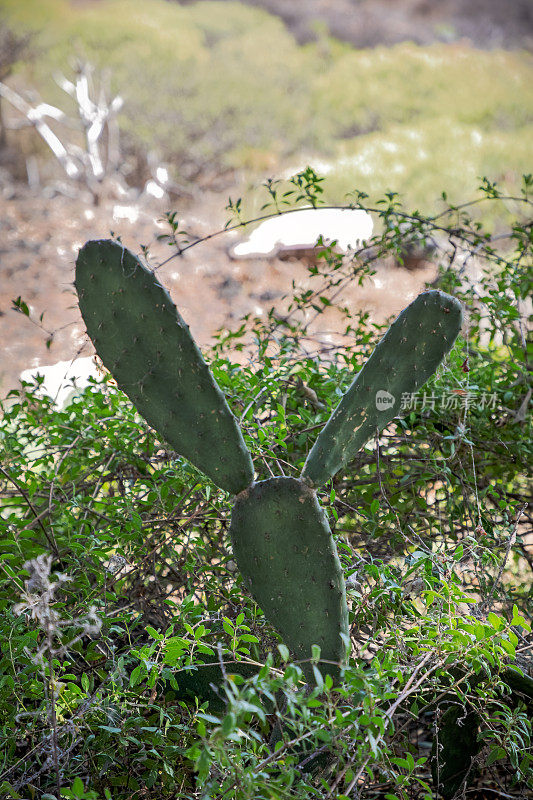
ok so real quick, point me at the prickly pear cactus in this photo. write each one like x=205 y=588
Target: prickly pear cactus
x=281 y=537
x=402 y=362
x=147 y=347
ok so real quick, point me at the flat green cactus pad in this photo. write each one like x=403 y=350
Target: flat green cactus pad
x=286 y=553
x=145 y=344
x=402 y=362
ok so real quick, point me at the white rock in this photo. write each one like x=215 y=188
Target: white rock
x=131 y=213
x=154 y=189
x=63 y=380
x=161 y=174
x=300 y=230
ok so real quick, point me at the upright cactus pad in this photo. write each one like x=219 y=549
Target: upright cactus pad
x=145 y=344
x=402 y=362
x=285 y=551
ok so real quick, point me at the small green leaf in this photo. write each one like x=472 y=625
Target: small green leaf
x=228 y=723
x=318 y=678
x=154 y=634
x=508 y=647
x=496 y=622
x=284 y=652
x=373 y=743
x=20 y=305
x=203 y=763
x=400 y=762
x=136 y=676
x=496 y=754
x=518 y=620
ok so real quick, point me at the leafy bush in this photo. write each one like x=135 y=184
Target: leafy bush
x=421 y=153
x=136 y=665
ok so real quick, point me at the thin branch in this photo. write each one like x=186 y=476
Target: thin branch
x=510 y=543
x=35 y=116
x=49 y=538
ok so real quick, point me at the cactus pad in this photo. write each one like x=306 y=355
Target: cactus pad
x=145 y=344
x=402 y=362
x=286 y=553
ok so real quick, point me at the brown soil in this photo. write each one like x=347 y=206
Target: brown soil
x=39 y=240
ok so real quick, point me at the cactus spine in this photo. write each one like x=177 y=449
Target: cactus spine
x=281 y=537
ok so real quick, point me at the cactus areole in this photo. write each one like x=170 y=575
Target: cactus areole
x=280 y=535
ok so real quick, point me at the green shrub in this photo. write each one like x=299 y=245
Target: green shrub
x=416 y=155
x=373 y=89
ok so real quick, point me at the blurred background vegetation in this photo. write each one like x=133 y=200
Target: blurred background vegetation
x=214 y=86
